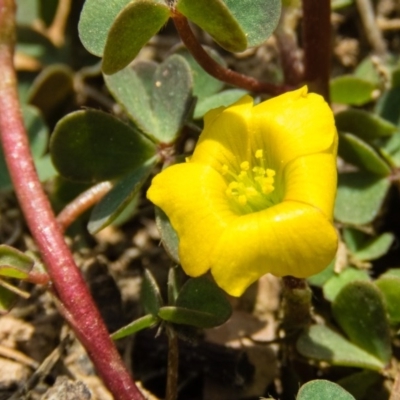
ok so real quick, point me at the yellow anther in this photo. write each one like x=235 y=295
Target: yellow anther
x=233 y=185
x=251 y=191
x=245 y=166
x=242 y=200
x=269 y=180
x=267 y=189
x=270 y=172
x=259 y=153
x=242 y=175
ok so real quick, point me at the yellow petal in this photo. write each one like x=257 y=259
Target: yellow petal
x=225 y=138
x=293 y=125
x=287 y=239
x=312 y=180
x=193 y=197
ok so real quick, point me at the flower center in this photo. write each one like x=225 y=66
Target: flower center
x=250 y=189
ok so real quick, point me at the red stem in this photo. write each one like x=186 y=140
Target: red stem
x=83 y=202
x=317 y=45
x=216 y=70
x=67 y=280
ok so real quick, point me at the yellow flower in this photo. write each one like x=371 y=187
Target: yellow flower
x=257 y=195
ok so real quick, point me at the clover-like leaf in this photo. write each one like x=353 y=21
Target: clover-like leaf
x=357 y=152
x=169 y=237
x=360 y=383
x=133 y=27
x=200 y=303
x=215 y=18
x=323 y=389
x=119 y=197
x=257 y=18
x=95 y=21
x=323 y=344
x=375 y=247
x=157 y=99
x=92 y=146
x=359 y=198
x=348 y=89
x=225 y=98
x=369 y=330
x=171 y=99
x=388 y=107
x=337 y=282
x=389 y=286
x=363 y=124
x=204 y=85
x=52 y=90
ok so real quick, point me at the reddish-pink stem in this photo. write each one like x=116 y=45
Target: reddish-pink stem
x=317 y=45
x=83 y=202
x=217 y=70
x=66 y=278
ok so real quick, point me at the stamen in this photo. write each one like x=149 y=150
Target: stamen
x=245 y=166
x=250 y=188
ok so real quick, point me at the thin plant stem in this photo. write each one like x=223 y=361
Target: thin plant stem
x=296 y=304
x=216 y=70
x=83 y=202
x=66 y=278
x=173 y=364
x=285 y=33
x=371 y=29
x=317 y=45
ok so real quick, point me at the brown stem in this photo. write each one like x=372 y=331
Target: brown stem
x=66 y=278
x=285 y=33
x=173 y=363
x=82 y=203
x=216 y=70
x=296 y=303
x=372 y=31
x=317 y=45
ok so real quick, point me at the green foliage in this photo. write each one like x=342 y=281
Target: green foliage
x=169 y=237
x=14 y=265
x=323 y=344
x=362 y=155
x=200 y=303
x=127 y=35
x=119 y=197
x=351 y=90
x=360 y=197
x=363 y=124
x=158 y=101
x=322 y=389
x=369 y=331
x=336 y=283
x=92 y=146
x=38 y=134
x=96 y=19
x=215 y=18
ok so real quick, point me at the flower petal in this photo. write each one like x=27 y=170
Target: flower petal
x=293 y=125
x=287 y=239
x=193 y=197
x=225 y=138
x=312 y=180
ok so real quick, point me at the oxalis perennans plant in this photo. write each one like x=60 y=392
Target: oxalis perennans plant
x=248 y=177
